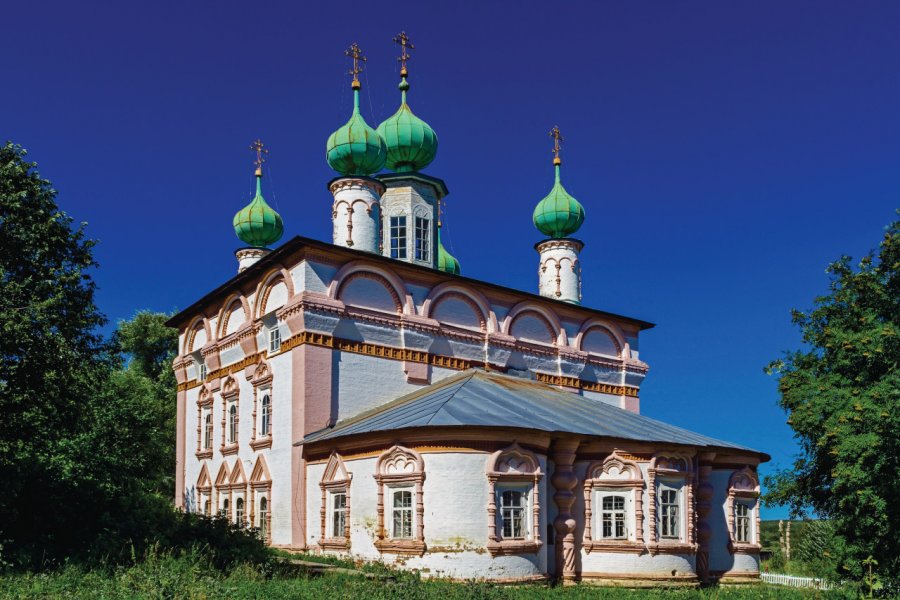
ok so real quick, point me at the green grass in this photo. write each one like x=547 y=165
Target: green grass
x=191 y=577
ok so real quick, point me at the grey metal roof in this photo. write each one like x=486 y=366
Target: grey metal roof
x=484 y=399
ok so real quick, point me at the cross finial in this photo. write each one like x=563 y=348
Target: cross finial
x=261 y=151
x=405 y=45
x=557 y=138
x=356 y=54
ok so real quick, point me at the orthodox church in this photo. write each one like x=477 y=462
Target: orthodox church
x=364 y=398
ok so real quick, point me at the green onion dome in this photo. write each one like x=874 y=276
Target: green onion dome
x=257 y=224
x=445 y=261
x=355 y=148
x=558 y=215
x=411 y=143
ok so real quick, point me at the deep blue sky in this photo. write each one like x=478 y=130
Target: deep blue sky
x=725 y=152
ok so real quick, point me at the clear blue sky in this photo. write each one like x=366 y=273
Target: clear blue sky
x=725 y=152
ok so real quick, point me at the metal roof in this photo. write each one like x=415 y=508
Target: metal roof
x=484 y=399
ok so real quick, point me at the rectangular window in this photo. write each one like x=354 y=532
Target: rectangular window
x=274 y=340
x=668 y=513
x=423 y=239
x=398 y=237
x=338 y=508
x=202 y=372
x=741 y=522
x=512 y=513
x=612 y=517
x=402 y=514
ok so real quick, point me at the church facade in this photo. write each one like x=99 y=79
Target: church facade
x=363 y=398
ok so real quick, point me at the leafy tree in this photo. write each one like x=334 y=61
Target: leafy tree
x=51 y=357
x=842 y=395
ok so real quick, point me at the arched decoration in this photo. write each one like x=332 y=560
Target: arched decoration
x=671 y=482
x=517 y=471
x=230 y=416
x=393 y=284
x=204 y=411
x=334 y=511
x=198 y=335
x=235 y=312
x=743 y=529
x=238 y=477
x=261 y=379
x=223 y=477
x=371 y=291
x=556 y=335
x=475 y=299
x=261 y=499
x=274 y=291
x=618 y=481
x=585 y=339
x=400 y=472
x=204 y=491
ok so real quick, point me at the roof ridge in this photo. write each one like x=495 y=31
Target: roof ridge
x=472 y=374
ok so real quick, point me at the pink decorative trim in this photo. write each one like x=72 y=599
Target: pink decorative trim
x=608 y=475
x=475 y=301
x=557 y=333
x=336 y=478
x=228 y=307
x=398 y=303
x=672 y=465
x=402 y=296
x=261 y=377
x=192 y=333
x=513 y=465
x=400 y=465
x=273 y=277
x=742 y=484
x=614 y=331
x=180 y=446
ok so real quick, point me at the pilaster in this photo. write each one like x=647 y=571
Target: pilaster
x=564 y=480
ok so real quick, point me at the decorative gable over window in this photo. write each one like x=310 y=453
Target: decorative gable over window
x=400 y=473
x=335 y=508
x=513 y=477
x=614 y=516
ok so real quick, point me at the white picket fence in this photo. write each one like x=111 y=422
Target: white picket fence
x=793 y=581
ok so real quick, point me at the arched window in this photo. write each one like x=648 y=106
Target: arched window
x=239 y=511
x=206 y=507
x=232 y=424
x=225 y=508
x=263 y=518
x=208 y=432
x=265 y=416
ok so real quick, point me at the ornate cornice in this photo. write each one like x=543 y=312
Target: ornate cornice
x=348 y=183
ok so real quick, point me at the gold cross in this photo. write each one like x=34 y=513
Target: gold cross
x=403 y=39
x=557 y=138
x=261 y=151
x=356 y=54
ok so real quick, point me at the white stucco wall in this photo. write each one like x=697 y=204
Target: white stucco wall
x=455 y=496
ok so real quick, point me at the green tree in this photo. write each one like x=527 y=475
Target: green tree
x=842 y=396
x=51 y=357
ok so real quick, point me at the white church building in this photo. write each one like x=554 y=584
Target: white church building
x=363 y=398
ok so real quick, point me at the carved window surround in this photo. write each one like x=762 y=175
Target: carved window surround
x=261 y=486
x=513 y=465
x=230 y=393
x=743 y=485
x=204 y=401
x=336 y=478
x=678 y=468
x=261 y=378
x=396 y=467
x=614 y=474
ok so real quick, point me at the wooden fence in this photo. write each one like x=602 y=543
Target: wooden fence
x=798 y=582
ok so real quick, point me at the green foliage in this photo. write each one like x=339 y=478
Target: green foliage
x=164 y=575
x=87 y=438
x=842 y=396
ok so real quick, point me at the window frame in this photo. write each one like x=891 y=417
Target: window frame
x=396 y=468
x=523 y=509
x=204 y=413
x=261 y=489
x=619 y=474
x=666 y=508
x=743 y=489
x=614 y=513
x=274 y=340
x=398 y=232
x=262 y=386
x=677 y=472
x=514 y=469
x=422 y=238
x=231 y=396
x=335 y=480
